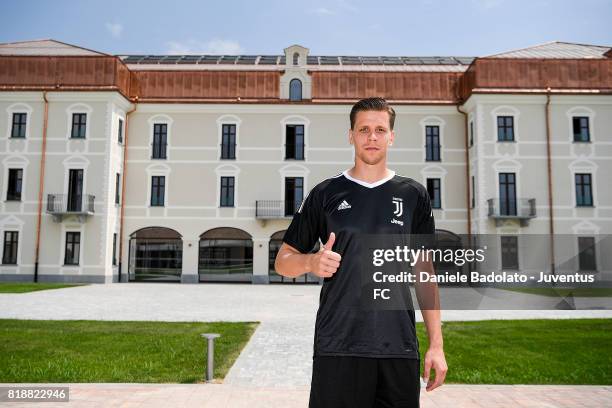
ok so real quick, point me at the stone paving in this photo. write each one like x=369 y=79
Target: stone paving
x=233 y=396
x=278 y=356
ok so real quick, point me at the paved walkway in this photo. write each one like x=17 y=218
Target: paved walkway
x=232 y=396
x=275 y=367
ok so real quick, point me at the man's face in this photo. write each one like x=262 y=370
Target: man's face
x=371 y=136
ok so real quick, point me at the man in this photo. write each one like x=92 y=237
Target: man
x=364 y=358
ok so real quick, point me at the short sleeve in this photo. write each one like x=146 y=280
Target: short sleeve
x=423 y=223
x=306 y=226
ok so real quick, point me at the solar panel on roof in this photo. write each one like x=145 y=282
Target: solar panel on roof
x=150 y=60
x=329 y=61
x=371 y=60
x=465 y=60
x=350 y=60
x=228 y=59
x=391 y=61
x=411 y=61
x=246 y=59
x=282 y=60
x=171 y=59
x=447 y=61
x=131 y=59
x=312 y=60
x=268 y=59
x=208 y=59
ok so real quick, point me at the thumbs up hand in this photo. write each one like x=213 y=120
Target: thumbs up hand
x=325 y=262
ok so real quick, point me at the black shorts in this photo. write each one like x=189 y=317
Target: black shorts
x=366 y=382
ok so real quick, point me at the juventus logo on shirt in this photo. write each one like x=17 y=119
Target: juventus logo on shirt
x=399 y=206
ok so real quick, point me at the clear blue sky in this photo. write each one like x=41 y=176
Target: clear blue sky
x=331 y=27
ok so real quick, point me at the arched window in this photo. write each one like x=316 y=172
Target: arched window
x=156 y=254
x=295 y=90
x=225 y=254
x=296 y=57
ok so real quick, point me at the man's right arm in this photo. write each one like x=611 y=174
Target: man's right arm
x=291 y=263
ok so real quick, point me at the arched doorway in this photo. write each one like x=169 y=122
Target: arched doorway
x=225 y=255
x=155 y=255
x=276 y=240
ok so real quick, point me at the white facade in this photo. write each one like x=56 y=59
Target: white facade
x=193 y=170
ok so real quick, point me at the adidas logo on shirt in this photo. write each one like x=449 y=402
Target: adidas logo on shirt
x=344 y=205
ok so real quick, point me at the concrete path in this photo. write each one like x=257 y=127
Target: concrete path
x=233 y=396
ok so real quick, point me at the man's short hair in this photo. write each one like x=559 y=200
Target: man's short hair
x=373 y=104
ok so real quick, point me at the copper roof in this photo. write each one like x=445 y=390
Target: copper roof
x=52 y=65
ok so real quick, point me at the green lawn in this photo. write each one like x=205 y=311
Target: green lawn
x=96 y=351
x=575 y=292
x=528 y=351
x=23 y=287
x=487 y=352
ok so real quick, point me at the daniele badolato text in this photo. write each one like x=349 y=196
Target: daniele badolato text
x=387 y=265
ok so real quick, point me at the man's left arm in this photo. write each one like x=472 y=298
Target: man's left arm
x=429 y=303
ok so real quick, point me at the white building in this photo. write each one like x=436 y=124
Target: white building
x=189 y=168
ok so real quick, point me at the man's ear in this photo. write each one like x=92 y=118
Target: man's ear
x=391 y=138
x=350 y=135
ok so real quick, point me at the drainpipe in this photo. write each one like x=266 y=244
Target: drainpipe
x=551 y=224
x=467 y=171
x=41 y=184
x=123 y=178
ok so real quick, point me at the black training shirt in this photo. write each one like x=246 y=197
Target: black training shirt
x=350 y=207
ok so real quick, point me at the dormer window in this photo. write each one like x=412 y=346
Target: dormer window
x=296 y=57
x=295 y=90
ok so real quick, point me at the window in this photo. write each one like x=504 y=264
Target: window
x=15 y=178
x=115 y=248
x=471 y=134
x=160 y=133
x=19 y=125
x=228 y=141
x=294 y=146
x=584 y=193
x=79 y=125
x=432 y=143
x=509 y=248
x=505 y=129
x=120 y=131
x=507 y=194
x=581 y=129
x=9 y=255
x=158 y=186
x=117 y=183
x=473 y=192
x=73 y=245
x=586 y=254
x=296 y=57
x=433 y=188
x=294 y=194
x=295 y=90
x=227 y=191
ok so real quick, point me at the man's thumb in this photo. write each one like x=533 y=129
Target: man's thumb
x=330 y=241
